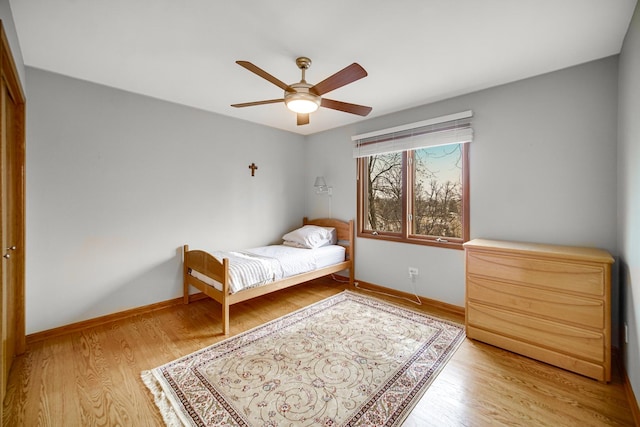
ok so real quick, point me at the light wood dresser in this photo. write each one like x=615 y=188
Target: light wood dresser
x=551 y=303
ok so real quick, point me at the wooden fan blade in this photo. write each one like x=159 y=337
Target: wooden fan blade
x=251 y=104
x=343 y=77
x=360 y=110
x=303 y=119
x=262 y=73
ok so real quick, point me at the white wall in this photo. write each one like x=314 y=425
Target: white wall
x=629 y=196
x=118 y=182
x=542 y=169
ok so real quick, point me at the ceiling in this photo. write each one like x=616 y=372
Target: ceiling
x=415 y=51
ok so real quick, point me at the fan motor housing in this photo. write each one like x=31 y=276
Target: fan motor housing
x=300 y=99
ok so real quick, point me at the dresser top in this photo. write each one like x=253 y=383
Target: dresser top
x=552 y=251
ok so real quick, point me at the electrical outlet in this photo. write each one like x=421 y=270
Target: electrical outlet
x=413 y=272
x=626 y=334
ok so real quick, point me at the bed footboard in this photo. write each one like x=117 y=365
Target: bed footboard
x=208 y=265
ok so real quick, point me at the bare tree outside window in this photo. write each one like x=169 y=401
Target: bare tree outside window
x=384 y=198
x=418 y=196
x=437 y=191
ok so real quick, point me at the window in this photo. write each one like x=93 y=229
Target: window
x=413 y=182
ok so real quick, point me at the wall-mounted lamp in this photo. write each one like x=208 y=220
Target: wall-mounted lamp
x=321 y=186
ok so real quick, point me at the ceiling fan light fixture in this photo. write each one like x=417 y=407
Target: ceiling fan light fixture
x=303 y=98
x=301 y=102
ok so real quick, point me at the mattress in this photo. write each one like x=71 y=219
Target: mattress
x=266 y=264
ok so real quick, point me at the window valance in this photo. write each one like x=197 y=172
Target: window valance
x=449 y=129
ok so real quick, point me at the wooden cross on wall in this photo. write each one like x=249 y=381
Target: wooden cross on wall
x=253 y=168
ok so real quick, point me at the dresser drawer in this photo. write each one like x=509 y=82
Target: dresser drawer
x=580 y=311
x=581 y=343
x=560 y=276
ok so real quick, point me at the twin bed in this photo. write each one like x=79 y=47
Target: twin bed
x=320 y=247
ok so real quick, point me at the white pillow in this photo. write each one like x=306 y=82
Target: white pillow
x=311 y=237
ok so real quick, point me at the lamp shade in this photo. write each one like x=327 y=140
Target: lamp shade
x=320 y=182
x=302 y=102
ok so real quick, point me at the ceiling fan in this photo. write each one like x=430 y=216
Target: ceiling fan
x=304 y=98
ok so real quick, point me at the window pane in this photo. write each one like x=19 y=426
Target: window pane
x=383 y=201
x=437 y=191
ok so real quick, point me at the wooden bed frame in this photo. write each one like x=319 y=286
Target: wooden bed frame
x=206 y=264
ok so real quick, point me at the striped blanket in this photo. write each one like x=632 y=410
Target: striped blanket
x=247 y=270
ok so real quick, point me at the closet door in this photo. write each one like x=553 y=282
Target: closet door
x=12 y=213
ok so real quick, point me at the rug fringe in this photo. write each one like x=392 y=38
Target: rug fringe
x=169 y=415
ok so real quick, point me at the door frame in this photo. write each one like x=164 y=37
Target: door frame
x=11 y=86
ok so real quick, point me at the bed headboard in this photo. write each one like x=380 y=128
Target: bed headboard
x=344 y=230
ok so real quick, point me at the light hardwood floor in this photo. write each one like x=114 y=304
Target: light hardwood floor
x=92 y=377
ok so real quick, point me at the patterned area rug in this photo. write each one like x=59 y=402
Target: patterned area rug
x=349 y=360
